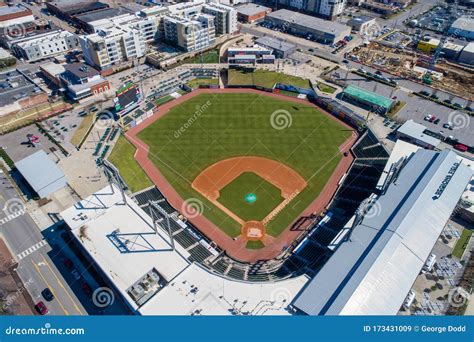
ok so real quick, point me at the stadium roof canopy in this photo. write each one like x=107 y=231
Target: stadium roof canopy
x=120 y=239
x=416 y=131
x=41 y=173
x=368 y=96
x=372 y=272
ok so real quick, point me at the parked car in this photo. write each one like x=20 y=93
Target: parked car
x=41 y=308
x=86 y=288
x=68 y=263
x=460 y=147
x=436 y=121
x=47 y=294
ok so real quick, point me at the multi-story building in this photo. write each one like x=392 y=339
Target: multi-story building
x=146 y=26
x=112 y=46
x=15 y=15
x=331 y=8
x=303 y=25
x=328 y=9
x=46 y=45
x=225 y=17
x=190 y=34
x=82 y=80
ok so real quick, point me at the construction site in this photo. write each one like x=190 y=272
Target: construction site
x=417 y=66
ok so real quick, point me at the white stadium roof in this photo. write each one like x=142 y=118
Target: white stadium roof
x=123 y=244
x=372 y=273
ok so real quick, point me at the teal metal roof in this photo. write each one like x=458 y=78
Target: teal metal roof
x=368 y=96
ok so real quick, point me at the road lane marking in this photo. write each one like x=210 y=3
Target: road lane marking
x=50 y=287
x=61 y=284
x=32 y=249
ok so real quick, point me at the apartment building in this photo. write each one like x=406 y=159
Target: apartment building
x=46 y=45
x=225 y=17
x=113 y=45
x=190 y=34
x=327 y=9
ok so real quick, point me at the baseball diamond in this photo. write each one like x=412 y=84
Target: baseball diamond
x=256 y=161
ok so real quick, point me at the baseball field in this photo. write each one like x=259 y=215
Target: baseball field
x=246 y=157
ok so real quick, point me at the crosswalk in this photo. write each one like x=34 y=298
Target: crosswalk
x=32 y=249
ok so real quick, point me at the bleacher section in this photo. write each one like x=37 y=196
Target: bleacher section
x=310 y=252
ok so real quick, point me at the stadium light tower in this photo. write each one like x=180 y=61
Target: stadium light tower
x=114 y=177
x=155 y=211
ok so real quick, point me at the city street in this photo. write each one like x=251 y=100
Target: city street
x=32 y=252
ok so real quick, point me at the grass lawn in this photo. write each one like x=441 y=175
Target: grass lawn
x=204 y=81
x=238 y=197
x=207 y=57
x=82 y=130
x=461 y=245
x=264 y=78
x=398 y=106
x=163 y=100
x=240 y=124
x=130 y=170
x=254 y=244
x=326 y=88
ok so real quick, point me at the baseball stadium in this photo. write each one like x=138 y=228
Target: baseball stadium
x=252 y=173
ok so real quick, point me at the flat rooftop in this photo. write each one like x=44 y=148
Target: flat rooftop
x=14 y=86
x=5 y=10
x=309 y=22
x=251 y=9
x=196 y=291
x=108 y=13
x=417 y=131
x=121 y=240
x=41 y=173
x=275 y=44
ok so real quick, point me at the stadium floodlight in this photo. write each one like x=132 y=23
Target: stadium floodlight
x=156 y=212
x=114 y=177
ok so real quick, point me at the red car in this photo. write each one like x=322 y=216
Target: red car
x=86 y=288
x=460 y=147
x=68 y=263
x=41 y=308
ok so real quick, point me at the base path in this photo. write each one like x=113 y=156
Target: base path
x=236 y=248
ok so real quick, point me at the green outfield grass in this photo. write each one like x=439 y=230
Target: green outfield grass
x=122 y=157
x=211 y=127
x=237 y=196
x=264 y=78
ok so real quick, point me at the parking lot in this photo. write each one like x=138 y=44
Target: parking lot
x=439 y=19
x=432 y=289
x=417 y=108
